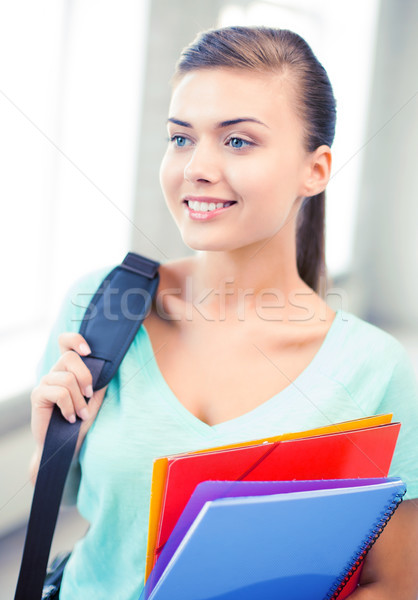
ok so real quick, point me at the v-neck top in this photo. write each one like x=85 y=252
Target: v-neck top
x=359 y=370
x=260 y=412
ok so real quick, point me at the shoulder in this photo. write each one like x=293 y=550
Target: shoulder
x=70 y=314
x=364 y=357
x=175 y=273
x=82 y=289
x=89 y=282
x=80 y=292
x=369 y=342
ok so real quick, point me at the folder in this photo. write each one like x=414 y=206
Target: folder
x=302 y=542
x=363 y=453
x=212 y=490
x=160 y=468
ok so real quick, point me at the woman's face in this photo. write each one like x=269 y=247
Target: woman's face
x=234 y=137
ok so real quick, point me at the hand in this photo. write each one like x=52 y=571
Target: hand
x=390 y=567
x=67 y=384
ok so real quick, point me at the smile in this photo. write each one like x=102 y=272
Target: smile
x=207 y=206
x=205 y=210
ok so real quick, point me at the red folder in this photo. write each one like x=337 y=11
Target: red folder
x=343 y=455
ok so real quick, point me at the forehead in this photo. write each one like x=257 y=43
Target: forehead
x=218 y=94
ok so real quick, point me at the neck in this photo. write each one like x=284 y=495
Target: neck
x=259 y=280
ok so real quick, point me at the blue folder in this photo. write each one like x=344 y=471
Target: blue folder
x=212 y=490
x=294 y=545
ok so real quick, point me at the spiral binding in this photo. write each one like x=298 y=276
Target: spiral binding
x=340 y=584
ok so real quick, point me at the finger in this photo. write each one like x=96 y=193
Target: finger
x=95 y=404
x=94 y=407
x=45 y=396
x=73 y=341
x=68 y=380
x=70 y=361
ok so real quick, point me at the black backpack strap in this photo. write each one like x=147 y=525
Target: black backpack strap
x=110 y=323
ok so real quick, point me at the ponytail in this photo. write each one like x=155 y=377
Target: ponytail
x=310 y=242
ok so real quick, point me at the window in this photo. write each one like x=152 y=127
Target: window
x=69 y=108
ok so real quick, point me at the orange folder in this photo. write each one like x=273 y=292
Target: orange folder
x=335 y=451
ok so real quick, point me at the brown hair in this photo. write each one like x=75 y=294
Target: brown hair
x=266 y=49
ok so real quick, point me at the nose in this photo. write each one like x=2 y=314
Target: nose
x=203 y=166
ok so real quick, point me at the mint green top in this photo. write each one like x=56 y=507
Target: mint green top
x=359 y=370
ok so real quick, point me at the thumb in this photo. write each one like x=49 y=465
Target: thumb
x=94 y=405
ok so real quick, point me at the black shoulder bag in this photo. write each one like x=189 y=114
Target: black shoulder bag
x=110 y=323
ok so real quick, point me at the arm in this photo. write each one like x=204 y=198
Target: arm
x=390 y=569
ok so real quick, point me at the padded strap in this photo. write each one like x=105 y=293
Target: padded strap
x=110 y=323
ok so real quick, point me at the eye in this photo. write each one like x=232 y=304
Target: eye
x=238 y=143
x=179 y=141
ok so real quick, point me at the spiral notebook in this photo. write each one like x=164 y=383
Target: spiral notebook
x=212 y=490
x=304 y=542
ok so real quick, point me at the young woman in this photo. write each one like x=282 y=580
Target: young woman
x=239 y=343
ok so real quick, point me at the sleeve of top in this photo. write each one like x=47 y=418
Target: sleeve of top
x=51 y=351
x=68 y=320
x=70 y=316
x=401 y=399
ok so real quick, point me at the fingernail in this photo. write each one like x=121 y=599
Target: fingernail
x=72 y=418
x=88 y=392
x=84 y=413
x=84 y=349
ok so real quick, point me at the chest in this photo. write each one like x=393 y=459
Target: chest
x=219 y=373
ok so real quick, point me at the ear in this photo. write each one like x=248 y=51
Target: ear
x=318 y=171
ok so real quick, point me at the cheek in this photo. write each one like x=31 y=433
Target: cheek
x=171 y=175
x=267 y=179
x=251 y=180
x=164 y=173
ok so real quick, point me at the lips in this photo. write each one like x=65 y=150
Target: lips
x=207 y=206
x=207 y=199
x=205 y=203
x=202 y=209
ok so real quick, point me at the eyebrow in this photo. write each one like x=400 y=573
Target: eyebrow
x=220 y=125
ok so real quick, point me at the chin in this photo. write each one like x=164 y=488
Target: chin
x=213 y=245
x=201 y=246
x=197 y=243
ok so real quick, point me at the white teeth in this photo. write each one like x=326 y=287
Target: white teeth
x=204 y=206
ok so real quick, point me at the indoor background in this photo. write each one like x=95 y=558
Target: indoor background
x=84 y=92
